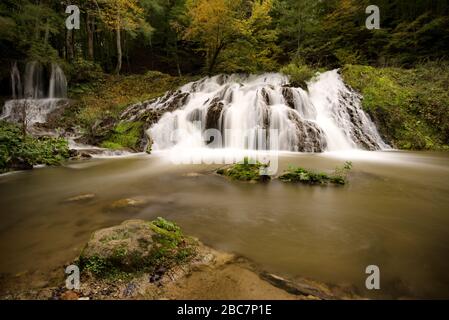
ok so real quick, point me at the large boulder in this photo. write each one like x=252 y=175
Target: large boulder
x=136 y=245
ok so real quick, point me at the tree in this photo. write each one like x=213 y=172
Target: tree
x=120 y=15
x=240 y=32
x=255 y=49
x=214 y=24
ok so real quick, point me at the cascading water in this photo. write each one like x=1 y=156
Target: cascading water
x=34 y=81
x=16 y=82
x=58 y=83
x=30 y=101
x=263 y=112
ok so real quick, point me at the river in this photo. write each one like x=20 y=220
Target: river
x=393 y=213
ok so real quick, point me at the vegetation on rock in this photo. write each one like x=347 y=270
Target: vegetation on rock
x=136 y=246
x=409 y=106
x=19 y=150
x=299 y=73
x=99 y=104
x=125 y=135
x=301 y=175
x=245 y=171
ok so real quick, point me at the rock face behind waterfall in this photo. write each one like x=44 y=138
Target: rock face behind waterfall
x=259 y=112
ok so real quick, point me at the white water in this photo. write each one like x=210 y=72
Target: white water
x=30 y=100
x=34 y=81
x=58 y=83
x=326 y=118
x=16 y=83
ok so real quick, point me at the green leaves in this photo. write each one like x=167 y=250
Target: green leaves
x=24 y=151
x=301 y=175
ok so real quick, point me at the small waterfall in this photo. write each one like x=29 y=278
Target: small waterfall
x=58 y=83
x=30 y=99
x=327 y=117
x=16 y=83
x=34 y=81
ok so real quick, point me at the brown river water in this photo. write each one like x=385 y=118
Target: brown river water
x=394 y=213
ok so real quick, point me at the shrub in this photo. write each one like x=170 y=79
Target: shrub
x=19 y=151
x=299 y=74
x=301 y=175
x=245 y=171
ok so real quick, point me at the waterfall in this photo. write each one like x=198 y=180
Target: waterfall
x=34 y=81
x=31 y=100
x=58 y=83
x=264 y=112
x=16 y=83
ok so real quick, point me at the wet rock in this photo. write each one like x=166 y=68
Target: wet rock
x=310 y=137
x=192 y=175
x=20 y=164
x=301 y=287
x=69 y=295
x=126 y=203
x=289 y=98
x=213 y=114
x=81 y=197
x=79 y=154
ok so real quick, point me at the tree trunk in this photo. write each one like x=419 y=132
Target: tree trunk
x=213 y=61
x=178 y=67
x=119 y=52
x=69 y=44
x=90 y=36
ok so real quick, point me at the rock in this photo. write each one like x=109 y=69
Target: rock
x=127 y=202
x=81 y=197
x=135 y=245
x=213 y=114
x=192 y=175
x=302 y=287
x=311 y=137
x=69 y=295
x=75 y=154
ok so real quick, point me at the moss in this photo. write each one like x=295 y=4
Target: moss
x=299 y=74
x=125 y=135
x=107 y=96
x=408 y=106
x=169 y=247
x=19 y=151
x=245 y=171
x=301 y=175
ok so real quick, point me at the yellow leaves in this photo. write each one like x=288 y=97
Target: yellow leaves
x=121 y=14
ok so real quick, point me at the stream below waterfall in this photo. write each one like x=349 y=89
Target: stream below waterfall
x=393 y=213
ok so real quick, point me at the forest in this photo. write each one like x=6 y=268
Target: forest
x=211 y=36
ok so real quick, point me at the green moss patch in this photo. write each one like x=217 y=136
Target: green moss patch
x=409 y=106
x=125 y=135
x=301 y=175
x=135 y=247
x=246 y=171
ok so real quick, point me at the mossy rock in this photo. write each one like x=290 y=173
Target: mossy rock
x=136 y=246
x=125 y=135
x=250 y=171
x=301 y=175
